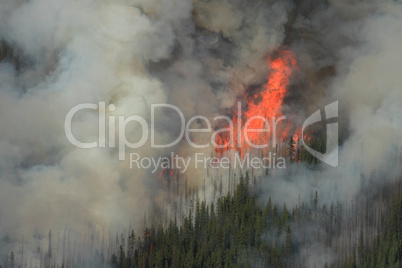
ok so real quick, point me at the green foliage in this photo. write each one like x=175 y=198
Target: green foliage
x=238 y=231
x=387 y=251
x=317 y=144
x=292 y=149
x=226 y=234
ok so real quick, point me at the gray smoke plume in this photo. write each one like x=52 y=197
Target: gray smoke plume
x=197 y=55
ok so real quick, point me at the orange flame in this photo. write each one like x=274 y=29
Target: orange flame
x=167 y=172
x=266 y=103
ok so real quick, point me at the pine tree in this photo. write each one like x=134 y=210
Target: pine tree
x=122 y=257
x=285 y=215
x=288 y=242
x=131 y=249
x=360 y=249
x=49 y=253
x=292 y=149
x=12 y=260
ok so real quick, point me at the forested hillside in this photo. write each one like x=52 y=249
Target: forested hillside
x=386 y=248
x=200 y=133
x=238 y=232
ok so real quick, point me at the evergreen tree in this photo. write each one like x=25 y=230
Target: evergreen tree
x=292 y=149
x=288 y=242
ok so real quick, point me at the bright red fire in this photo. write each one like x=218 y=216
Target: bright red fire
x=167 y=173
x=267 y=103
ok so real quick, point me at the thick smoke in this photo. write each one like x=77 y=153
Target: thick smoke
x=199 y=56
x=76 y=52
x=348 y=52
x=127 y=53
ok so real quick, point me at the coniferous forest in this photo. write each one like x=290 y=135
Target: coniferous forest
x=200 y=133
x=238 y=232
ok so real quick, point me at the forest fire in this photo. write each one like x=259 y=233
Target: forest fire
x=166 y=172
x=261 y=107
x=201 y=133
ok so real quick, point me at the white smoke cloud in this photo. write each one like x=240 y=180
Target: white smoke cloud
x=197 y=55
x=79 y=51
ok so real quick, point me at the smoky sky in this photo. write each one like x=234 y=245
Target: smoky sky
x=200 y=56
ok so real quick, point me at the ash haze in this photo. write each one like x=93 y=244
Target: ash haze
x=200 y=56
